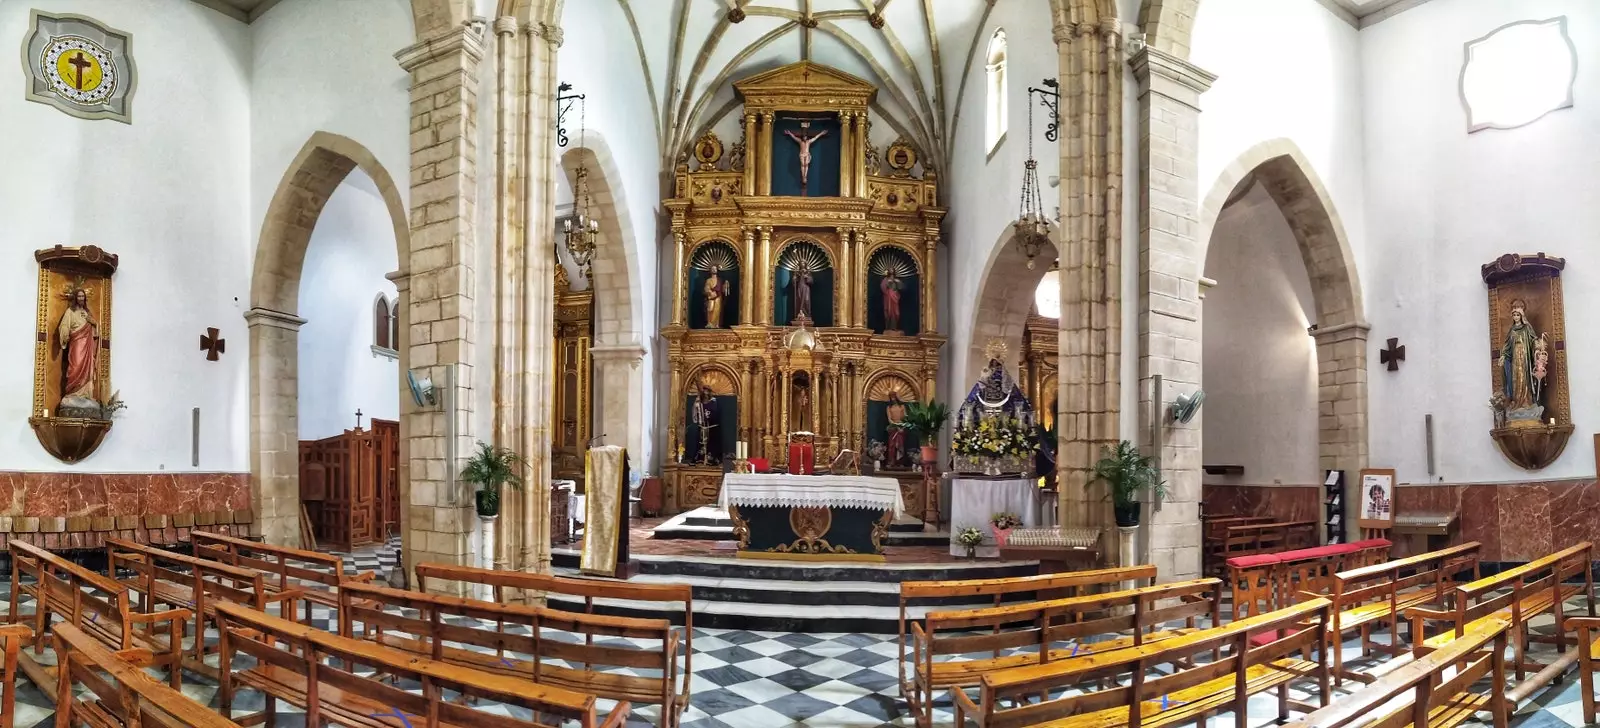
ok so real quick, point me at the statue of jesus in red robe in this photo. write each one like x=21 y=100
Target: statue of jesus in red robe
x=79 y=339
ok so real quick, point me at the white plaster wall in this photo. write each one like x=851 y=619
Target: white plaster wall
x=603 y=64
x=317 y=65
x=981 y=189
x=1442 y=203
x=1289 y=69
x=351 y=249
x=1260 y=366
x=168 y=194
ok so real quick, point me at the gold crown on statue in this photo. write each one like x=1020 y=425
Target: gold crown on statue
x=996 y=350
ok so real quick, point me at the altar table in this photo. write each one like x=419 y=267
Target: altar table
x=810 y=517
x=973 y=501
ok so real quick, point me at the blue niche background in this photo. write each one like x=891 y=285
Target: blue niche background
x=823 y=178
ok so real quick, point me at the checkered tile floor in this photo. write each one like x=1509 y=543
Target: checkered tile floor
x=764 y=680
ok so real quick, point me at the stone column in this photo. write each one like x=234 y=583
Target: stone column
x=764 y=139
x=1342 y=408
x=402 y=284
x=444 y=102
x=620 y=394
x=275 y=458
x=764 y=277
x=1090 y=61
x=1169 y=292
x=538 y=289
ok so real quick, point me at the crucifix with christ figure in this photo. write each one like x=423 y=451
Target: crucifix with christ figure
x=805 y=140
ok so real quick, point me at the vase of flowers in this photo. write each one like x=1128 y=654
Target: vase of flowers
x=1002 y=524
x=1127 y=472
x=970 y=537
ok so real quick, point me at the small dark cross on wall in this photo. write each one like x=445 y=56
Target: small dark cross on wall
x=212 y=344
x=1392 y=355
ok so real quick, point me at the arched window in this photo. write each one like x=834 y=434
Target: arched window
x=394 y=324
x=382 y=323
x=995 y=119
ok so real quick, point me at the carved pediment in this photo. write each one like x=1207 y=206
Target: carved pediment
x=807 y=83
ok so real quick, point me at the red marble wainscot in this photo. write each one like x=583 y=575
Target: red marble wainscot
x=1480 y=518
x=1285 y=503
x=1524 y=521
x=1574 y=513
x=121 y=494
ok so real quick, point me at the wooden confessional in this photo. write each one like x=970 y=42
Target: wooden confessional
x=349 y=485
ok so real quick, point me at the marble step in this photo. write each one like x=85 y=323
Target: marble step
x=719 y=567
x=802 y=593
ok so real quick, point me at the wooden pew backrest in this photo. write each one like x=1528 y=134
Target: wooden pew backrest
x=130 y=697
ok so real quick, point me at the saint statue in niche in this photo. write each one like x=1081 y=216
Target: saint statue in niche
x=716 y=289
x=805 y=140
x=890 y=287
x=705 y=420
x=802 y=405
x=78 y=344
x=803 y=261
x=895 y=454
x=802 y=294
x=1524 y=358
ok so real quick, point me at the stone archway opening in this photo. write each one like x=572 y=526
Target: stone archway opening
x=1274 y=183
x=274 y=323
x=1005 y=299
x=621 y=410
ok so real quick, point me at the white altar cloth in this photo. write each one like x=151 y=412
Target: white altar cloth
x=973 y=501
x=810 y=491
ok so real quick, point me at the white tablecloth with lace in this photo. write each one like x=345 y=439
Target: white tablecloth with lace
x=810 y=491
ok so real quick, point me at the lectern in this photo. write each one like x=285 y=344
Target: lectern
x=605 y=530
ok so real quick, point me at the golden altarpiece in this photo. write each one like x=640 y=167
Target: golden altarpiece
x=1038 y=370
x=804 y=300
x=573 y=396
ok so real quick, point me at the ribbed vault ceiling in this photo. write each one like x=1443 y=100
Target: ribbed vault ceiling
x=913 y=50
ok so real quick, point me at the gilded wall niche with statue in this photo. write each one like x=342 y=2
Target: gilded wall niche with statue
x=804 y=299
x=73 y=401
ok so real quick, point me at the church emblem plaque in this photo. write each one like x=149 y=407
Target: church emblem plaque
x=73 y=401
x=80 y=66
x=1528 y=358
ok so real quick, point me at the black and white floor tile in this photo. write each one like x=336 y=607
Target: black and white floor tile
x=745 y=679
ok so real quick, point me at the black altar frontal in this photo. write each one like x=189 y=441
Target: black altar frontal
x=810 y=517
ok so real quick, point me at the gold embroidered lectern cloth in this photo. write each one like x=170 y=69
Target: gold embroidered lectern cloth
x=605 y=493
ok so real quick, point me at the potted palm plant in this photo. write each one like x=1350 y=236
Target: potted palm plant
x=1127 y=472
x=490 y=468
x=926 y=419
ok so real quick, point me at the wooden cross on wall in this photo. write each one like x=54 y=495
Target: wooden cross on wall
x=1392 y=355
x=212 y=344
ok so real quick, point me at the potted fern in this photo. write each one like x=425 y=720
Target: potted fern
x=1127 y=472
x=490 y=468
x=926 y=419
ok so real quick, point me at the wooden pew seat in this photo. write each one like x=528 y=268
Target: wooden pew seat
x=118 y=693
x=317 y=672
x=1141 y=696
x=310 y=576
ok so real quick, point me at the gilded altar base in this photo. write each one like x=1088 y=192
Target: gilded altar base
x=784 y=299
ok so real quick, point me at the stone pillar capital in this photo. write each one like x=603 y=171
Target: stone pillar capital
x=275 y=319
x=505 y=25
x=1356 y=330
x=629 y=353
x=1166 y=74
x=400 y=278
x=464 y=41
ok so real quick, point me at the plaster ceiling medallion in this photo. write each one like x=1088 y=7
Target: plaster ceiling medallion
x=79 y=66
x=1518 y=73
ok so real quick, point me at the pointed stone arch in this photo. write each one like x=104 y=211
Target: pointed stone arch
x=1169 y=25
x=1283 y=171
x=274 y=323
x=1005 y=297
x=619 y=328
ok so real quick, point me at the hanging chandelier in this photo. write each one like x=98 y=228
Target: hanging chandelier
x=581 y=229
x=1032 y=228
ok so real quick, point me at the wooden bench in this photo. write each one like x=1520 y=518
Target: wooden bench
x=1036 y=588
x=1439 y=687
x=292 y=664
x=613 y=592
x=1381 y=593
x=1057 y=629
x=1265 y=538
x=1214 y=532
x=119 y=693
x=1588 y=629
x=95 y=604
x=1185 y=694
x=1264 y=582
x=431 y=625
x=179 y=580
x=1518 y=595
x=12 y=638
x=312 y=575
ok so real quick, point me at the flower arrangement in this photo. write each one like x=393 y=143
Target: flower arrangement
x=995 y=437
x=969 y=537
x=1004 y=521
